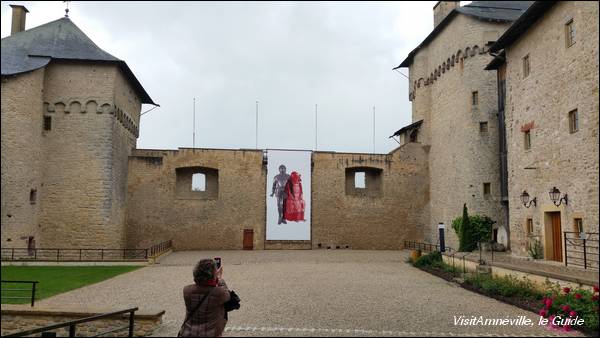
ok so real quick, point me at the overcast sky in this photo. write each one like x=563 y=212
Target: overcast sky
x=287 y=56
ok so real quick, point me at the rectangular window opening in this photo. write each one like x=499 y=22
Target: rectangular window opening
x=527 y=140
x=475 y=98
x=578 y=225
x=529 y=226
x=526 y=66
x=573 y=121
x=360 y=180
x=570 y=33
x=487 y=189
x=198 y=182
x=47 y=123
x=483 y=127
x=32 y=196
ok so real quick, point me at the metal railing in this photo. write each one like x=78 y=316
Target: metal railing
x=449 y=252
x=80 y=255
x=31 y=291
x=581 y=249
x=83 y=255
x=160 y=248
x=429 y=247
x=455 y=257
x=72 y=325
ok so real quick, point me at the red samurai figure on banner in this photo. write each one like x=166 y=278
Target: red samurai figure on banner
x=294 y=203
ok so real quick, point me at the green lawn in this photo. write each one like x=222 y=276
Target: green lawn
x=54 y=279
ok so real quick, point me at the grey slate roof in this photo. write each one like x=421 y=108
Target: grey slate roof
x=519 y=27
x=496 y=11
x=61 y=40
x=409 y=127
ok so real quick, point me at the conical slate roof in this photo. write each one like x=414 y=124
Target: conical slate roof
x=61 y=40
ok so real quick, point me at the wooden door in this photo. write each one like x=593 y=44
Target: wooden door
x=556 y=237
x=248 y=239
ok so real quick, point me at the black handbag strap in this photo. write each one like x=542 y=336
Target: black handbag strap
x=188 y=316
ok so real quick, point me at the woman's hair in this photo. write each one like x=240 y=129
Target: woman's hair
x=204 y=271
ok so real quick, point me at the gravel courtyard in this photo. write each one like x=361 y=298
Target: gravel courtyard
x=310 y=293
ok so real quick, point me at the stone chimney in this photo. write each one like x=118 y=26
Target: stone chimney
x=18 y=18
x=442 y=9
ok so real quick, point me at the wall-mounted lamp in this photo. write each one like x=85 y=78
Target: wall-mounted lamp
x=555 y=197
x=525 y=199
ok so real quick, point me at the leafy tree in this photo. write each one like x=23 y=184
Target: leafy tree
x=481 y=230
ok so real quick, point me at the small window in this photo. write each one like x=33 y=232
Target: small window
x=578 y=225
x=414 y=135
x=364 y=181
x=527 y=140
x=526 y=66
x=47 y=123
x=570 y=33
x=573 y=121
x=198 y=182
x=529 y=226
x=487 y=189
x=32 y=196
x=475 y=98
x=359 y=180
x=483 y=127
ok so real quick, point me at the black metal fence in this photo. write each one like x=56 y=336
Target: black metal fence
x=160 y=248
x=581 y=249
x=457 y=260
x=84 y=255
x=8 y=285
x=429 y=247
x=47 y=331
x=69 y=255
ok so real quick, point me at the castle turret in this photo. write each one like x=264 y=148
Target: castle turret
x=73 y=113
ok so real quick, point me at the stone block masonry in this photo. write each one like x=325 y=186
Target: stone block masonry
x=562 y=79
x=68 y=130
x=17 y=318
x=158 y=211
x=389 y=210
x=161 y=207
x=453 y=95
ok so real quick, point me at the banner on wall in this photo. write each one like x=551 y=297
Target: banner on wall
x=288 y=195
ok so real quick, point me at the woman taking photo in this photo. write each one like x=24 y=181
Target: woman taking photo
x=204 y=302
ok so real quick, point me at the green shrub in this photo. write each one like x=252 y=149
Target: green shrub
x=507 y=286
x=536 y=250
x=433 y=259
x=478 y=229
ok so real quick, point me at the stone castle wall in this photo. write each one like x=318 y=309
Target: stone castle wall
x=161 y=205
x=22 y=103
x=82 y=166
x=157 y=211
x=443 y=76
x=561 y=79
x=374 y=219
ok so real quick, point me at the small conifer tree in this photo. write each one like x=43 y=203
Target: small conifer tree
x=466 y=232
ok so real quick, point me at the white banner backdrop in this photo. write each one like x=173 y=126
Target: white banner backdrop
x=288 y=195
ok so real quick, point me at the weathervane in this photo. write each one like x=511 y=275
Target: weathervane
x=67 y=9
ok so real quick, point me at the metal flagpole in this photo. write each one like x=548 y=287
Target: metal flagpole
x=194 y=126
x=256 y=127
x=316 y=113
x=373 y=129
